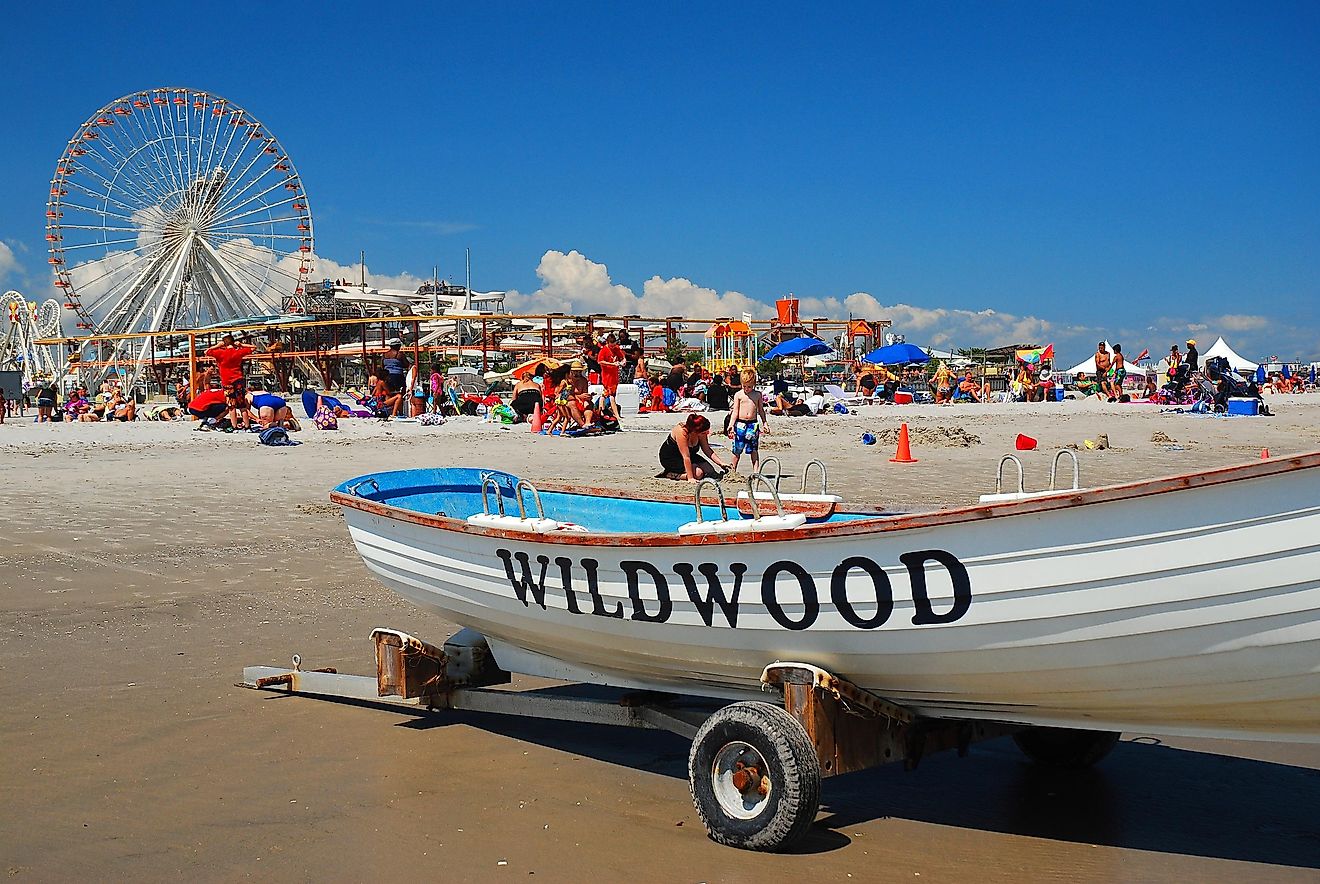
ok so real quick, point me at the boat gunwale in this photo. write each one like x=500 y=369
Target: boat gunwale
x=877 y=525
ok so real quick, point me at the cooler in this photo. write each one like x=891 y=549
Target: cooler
x=902 y=397
x=1243 y=405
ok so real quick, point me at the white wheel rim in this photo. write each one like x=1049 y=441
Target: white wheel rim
x=174 y=208
x=729 y=770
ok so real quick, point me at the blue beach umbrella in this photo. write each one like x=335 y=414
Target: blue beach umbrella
x=804 y=346
x=1313 y=375
x=896 y=354
x=1260 y=374
x=1287 y=372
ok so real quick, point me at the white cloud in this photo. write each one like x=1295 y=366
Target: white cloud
x=1238 y=322
x=939 y=326
x=325 y=268
x=8 y=263
x=573 y=283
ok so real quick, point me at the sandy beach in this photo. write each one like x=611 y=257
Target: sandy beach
x=146 y=564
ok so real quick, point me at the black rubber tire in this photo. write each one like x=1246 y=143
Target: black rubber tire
x=1065 y=747
x=791 y=765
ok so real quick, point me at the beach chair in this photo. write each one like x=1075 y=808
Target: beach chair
x=838 y=394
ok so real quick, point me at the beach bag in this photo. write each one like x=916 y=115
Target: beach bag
x=325 y=419
x=504 y=414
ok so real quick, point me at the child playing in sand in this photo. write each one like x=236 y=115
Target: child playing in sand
x=747 y=419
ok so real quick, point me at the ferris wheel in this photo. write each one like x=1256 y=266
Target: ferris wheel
x=174 y=208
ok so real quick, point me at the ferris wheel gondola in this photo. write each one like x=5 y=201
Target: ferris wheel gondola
x=174 y=208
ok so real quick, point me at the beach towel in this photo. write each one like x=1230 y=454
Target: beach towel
x=309 y=398
x=275 y=436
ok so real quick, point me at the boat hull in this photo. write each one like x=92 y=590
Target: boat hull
x=1189 y=608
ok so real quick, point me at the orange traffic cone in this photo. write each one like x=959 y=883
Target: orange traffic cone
x=536 y=420
x=1264 y=453
x=904 y=453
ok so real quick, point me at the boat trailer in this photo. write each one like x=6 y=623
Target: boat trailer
x=755 y=767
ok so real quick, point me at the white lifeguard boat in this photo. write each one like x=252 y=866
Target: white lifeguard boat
x=1187 y=605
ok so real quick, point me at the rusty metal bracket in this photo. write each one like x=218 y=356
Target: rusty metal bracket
x=410 y=668
x=855 y=700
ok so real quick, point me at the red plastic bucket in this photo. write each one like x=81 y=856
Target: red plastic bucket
x=1025 y=443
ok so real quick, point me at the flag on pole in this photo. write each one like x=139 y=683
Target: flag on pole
x=1144 y=354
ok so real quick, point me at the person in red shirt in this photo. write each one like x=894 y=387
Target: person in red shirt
x=610 y=358
x=229 y=358
x=208 y=404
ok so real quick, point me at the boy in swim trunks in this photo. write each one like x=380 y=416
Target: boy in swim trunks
x=746 y=421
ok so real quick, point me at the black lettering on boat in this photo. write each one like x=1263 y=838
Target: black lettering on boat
x=592 y=567
x=524 y=586
x=705 y=605
x=770 y=598
x=923 y=614
x=639 y=612
x=566 y=579
x=884 y=592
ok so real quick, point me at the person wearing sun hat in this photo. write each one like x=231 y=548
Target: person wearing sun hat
x=579 y=402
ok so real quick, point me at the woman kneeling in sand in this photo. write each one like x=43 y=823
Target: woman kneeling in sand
x=686 y=452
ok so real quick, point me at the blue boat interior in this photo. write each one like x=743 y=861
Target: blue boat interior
x=456 y=492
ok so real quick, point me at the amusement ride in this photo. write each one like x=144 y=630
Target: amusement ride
x=27 y=323
x=172 y=208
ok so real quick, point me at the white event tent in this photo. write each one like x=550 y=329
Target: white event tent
x=1236 y=362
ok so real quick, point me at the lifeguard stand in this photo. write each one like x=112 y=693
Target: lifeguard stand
x=786 y=323
x=730 y=343
x=862 y=337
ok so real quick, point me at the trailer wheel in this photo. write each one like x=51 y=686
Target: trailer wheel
x=1065 y=747
x=754 y=776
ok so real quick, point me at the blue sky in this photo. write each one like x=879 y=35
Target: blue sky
x=976 y=171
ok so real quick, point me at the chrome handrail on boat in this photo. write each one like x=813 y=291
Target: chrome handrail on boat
x=779 y=469
x=490 y=482
x=536 y=498
x=999 y=474
x=824 y=480
x=751 y=495
x=719 y=490
x=353 y=489
x=1077 y=469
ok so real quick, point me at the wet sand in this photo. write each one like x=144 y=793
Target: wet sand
x=146 y=565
